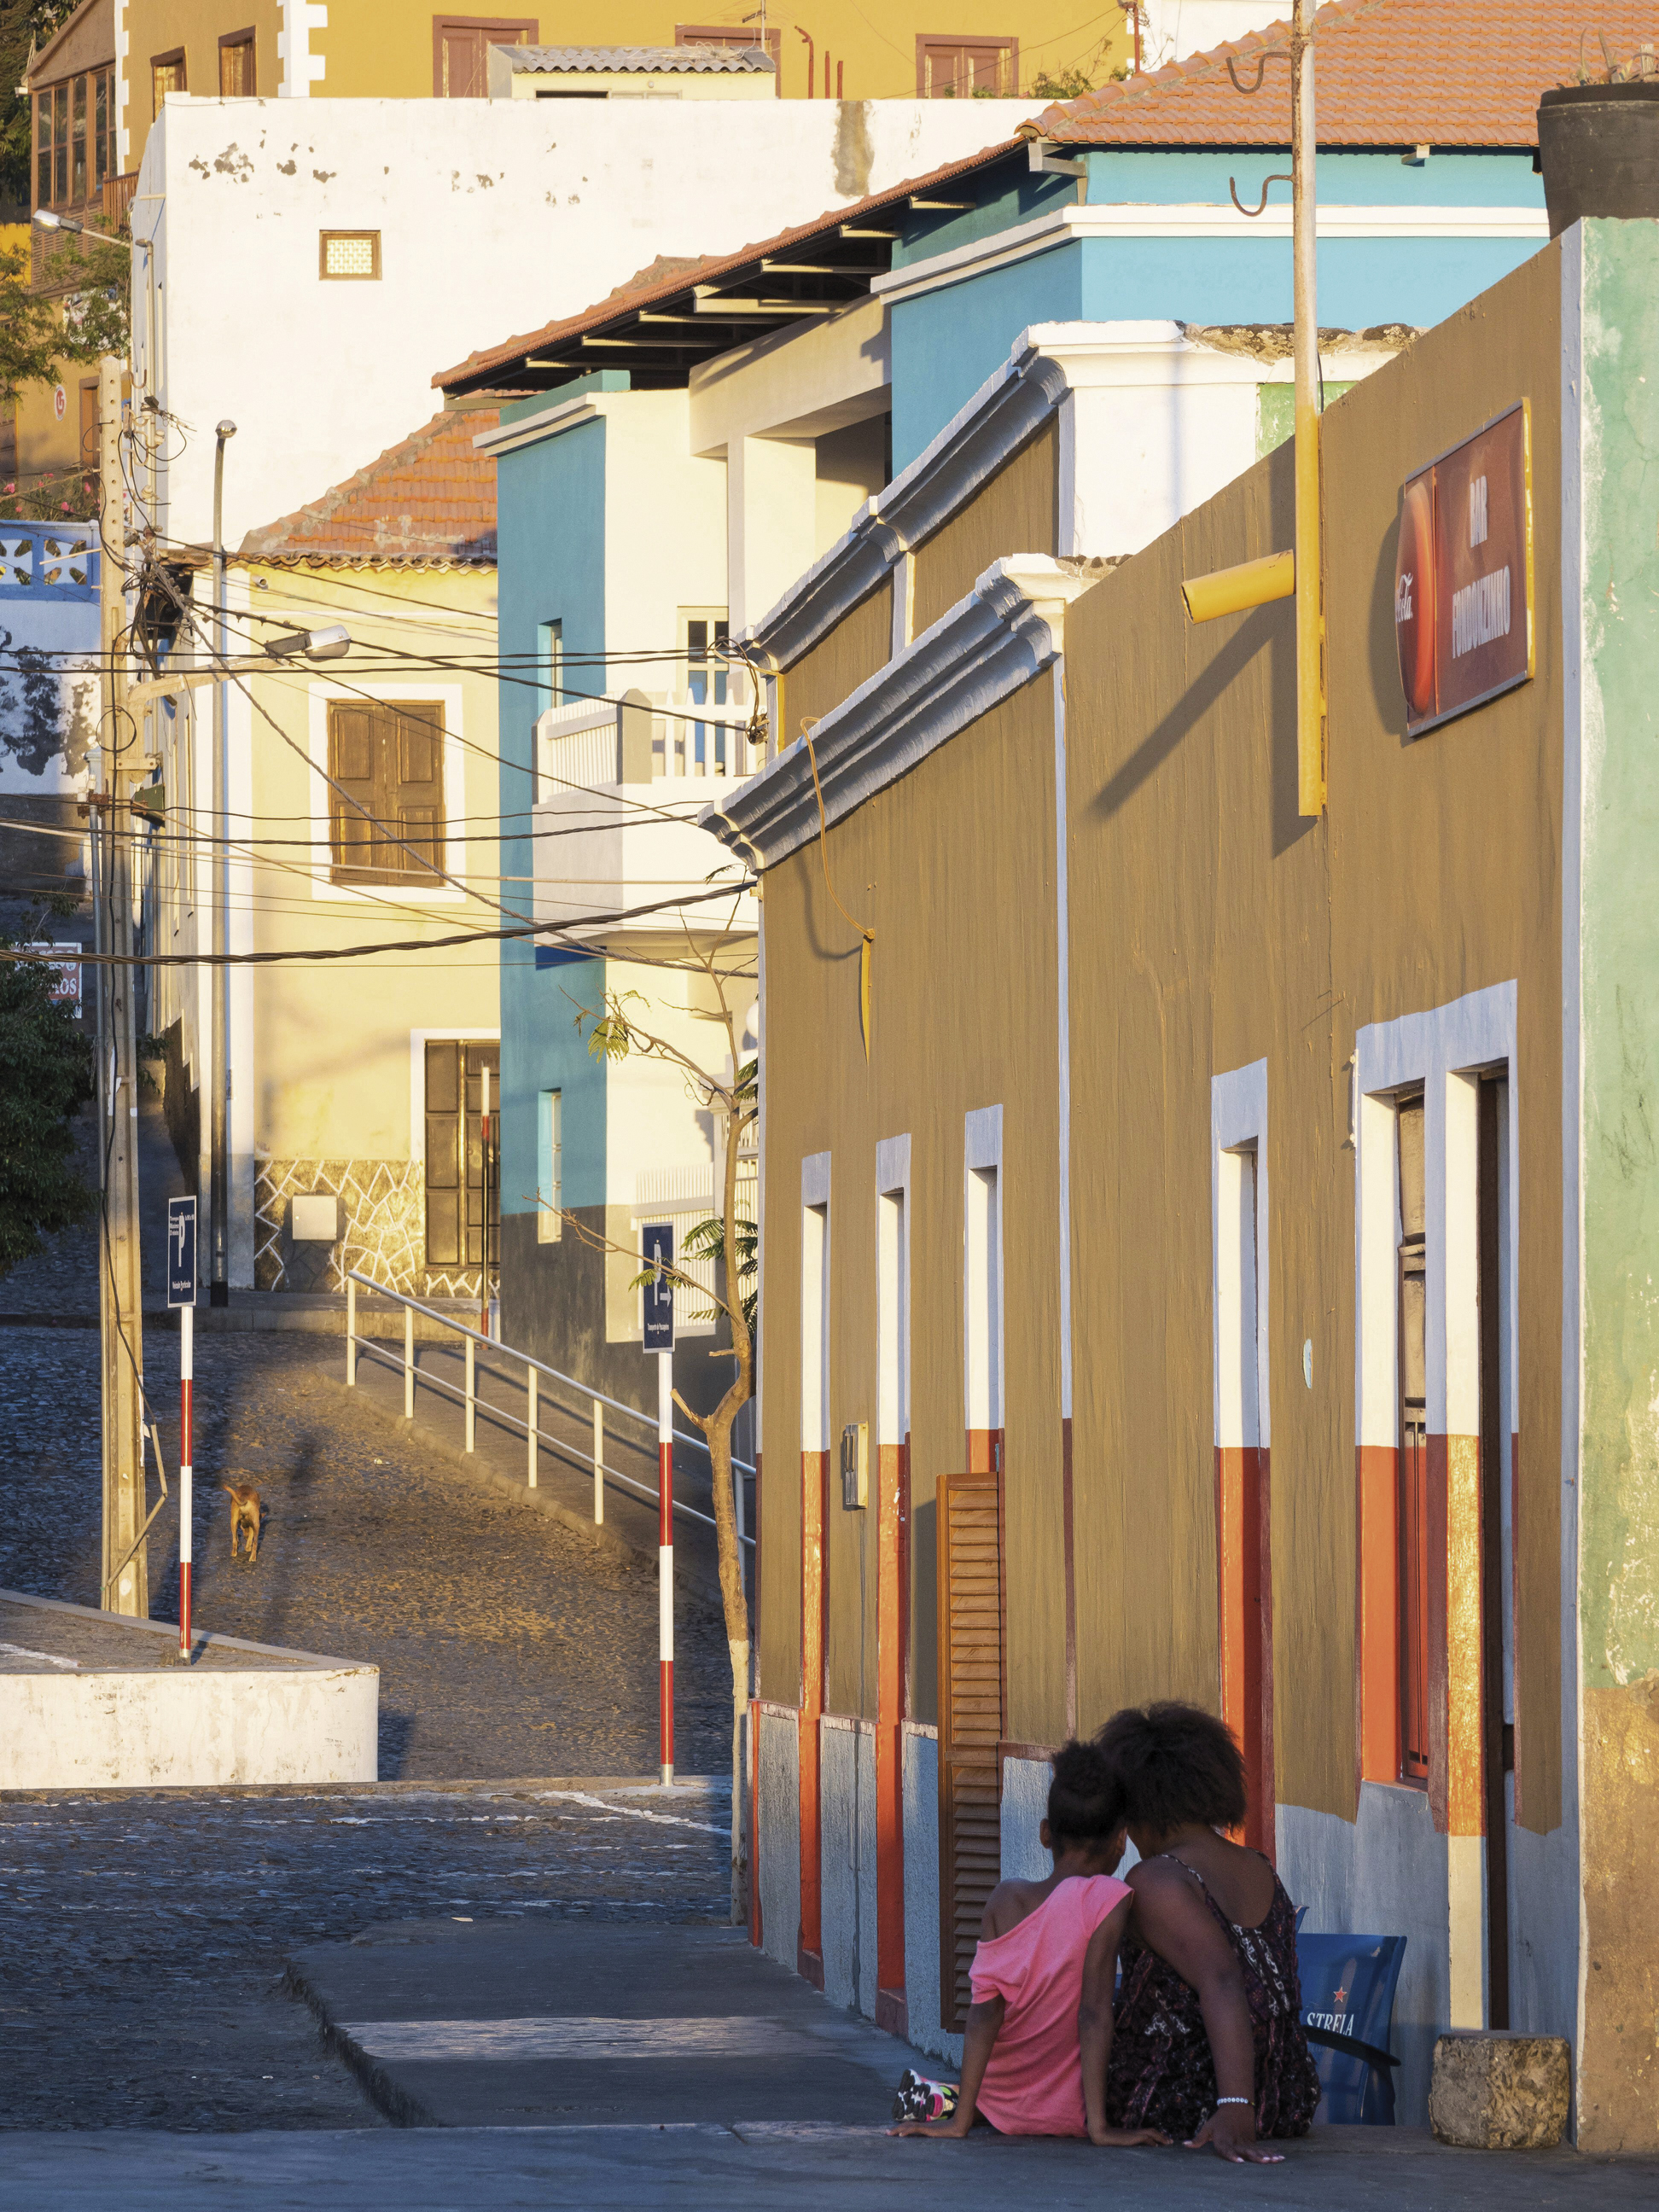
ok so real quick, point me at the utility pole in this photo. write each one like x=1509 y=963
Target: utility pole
x=1309 y=549
x=219 y=1156
x=125 y=1578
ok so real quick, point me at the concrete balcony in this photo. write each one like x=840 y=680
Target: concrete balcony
x=619 y=787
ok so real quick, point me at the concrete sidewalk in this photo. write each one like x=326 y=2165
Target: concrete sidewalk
x=779 y=2167
x=578 y=2024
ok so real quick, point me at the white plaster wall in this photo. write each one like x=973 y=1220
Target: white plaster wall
x=192 y=1729
x=780 y=1836
x=921 y=1989
x=810 y=378
x=494 y=217
x=665 y=538
x=1172 y=29
x=1024 y=1807
x=847 y=1815
x=1382 y=1875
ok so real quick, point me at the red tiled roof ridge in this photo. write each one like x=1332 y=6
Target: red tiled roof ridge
x=1387 y=73
x=430 y=497
x=626 y=298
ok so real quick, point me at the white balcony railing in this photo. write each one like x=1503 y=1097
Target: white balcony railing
x=619 y=787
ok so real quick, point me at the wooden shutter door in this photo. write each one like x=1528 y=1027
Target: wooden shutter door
x=443 y=1155
x=419 y=793
x=356 y=760
x=970 y=1726
x=483 y=1199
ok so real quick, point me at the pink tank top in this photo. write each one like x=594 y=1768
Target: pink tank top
x=1034 y=2083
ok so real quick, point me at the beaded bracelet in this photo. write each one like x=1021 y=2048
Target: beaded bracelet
x=1235 y=2101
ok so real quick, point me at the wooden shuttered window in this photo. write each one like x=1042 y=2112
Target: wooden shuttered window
x=463 y=1215
x=970 y=1607
x=390 y=761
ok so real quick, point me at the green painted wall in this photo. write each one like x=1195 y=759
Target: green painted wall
x=1619 y=1506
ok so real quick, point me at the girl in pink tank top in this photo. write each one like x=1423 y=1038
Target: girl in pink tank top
x=1039 y=2030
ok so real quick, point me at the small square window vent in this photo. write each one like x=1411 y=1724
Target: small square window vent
x=350 y=254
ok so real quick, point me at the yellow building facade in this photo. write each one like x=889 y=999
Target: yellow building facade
x=832 y=49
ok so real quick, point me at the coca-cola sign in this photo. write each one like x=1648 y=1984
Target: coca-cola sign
x=1462 y=576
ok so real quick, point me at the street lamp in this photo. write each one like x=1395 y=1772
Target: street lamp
x=45 y=220
x=332 y=643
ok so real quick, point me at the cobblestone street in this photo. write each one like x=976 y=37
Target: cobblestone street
x=507 y=1645
x=142 y=1938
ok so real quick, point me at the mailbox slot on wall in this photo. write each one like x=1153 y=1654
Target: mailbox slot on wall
x=854 y=1465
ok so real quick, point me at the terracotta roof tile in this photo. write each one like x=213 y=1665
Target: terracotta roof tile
x=1386 y=73
x=430 y=499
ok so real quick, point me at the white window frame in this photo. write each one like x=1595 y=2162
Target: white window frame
x=550 y=1204
x=1238 y=1129
x=815 y=1279
x=983 y=1304
x=892 y=1290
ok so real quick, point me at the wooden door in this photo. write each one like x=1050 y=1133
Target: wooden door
x=970 y=1628
x=462 y=1199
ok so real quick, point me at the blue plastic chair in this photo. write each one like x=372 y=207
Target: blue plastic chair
x=1348 y=2013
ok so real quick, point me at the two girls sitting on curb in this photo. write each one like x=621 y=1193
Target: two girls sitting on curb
x=1205 y=2041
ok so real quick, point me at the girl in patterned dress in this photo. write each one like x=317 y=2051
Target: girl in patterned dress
x=1208 y=2042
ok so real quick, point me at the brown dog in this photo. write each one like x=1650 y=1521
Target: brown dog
x=246 y=1513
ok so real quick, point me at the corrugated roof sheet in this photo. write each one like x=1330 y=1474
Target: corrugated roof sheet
x=530 y=61
x=628 y=298
x=1386 y=73
x=430 y=499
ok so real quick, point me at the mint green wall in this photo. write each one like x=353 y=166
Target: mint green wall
x=1620 y=954
x=1616 y=627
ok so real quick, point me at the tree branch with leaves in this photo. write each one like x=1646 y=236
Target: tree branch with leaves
x=621 y=1030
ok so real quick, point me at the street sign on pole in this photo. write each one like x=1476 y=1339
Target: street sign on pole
x=657 y=1246
x=181 y=1251
x=181 y=1292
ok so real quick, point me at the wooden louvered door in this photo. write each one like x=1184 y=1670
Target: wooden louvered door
x=970 y=1629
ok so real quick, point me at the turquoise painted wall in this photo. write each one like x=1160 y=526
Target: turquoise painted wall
x=550 y=519
x=947 y=343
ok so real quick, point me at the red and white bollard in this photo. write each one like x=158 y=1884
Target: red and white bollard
x=186 y=1453
x=666 y=1554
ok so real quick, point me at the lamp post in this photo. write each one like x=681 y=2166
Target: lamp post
x=218 y=1158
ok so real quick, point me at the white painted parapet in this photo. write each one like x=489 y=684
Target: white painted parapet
x=134 y=1718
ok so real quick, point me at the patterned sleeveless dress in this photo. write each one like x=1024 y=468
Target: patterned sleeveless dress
x=1161 y=2073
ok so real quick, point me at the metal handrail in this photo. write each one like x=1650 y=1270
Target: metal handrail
x=530 y=1426
x=681 y=1436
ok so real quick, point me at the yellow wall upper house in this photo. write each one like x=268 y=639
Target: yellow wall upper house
x=980 y=48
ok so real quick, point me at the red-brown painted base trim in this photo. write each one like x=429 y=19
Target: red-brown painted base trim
x=809 y=1965
x=893 y=2014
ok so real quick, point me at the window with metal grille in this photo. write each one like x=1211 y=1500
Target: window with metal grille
x=966 y=69
x=349 y=253
x=1413 y=1514
x=390 y=761
x=237 y=73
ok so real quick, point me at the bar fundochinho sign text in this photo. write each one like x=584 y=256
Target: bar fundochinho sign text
x=1463 y=578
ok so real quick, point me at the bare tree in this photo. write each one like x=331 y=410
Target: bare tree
x=619 y=1032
